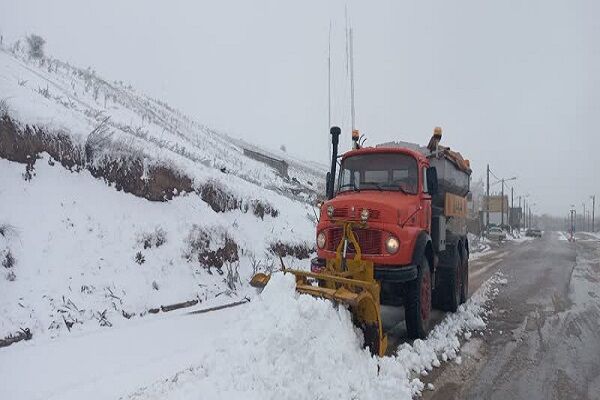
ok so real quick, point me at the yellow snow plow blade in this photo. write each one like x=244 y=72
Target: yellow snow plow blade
x=344 y=281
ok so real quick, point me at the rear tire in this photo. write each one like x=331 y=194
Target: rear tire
x=417 y=303
x=464 y=293
x=449 y=288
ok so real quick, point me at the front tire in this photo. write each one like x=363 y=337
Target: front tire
x=418 y=303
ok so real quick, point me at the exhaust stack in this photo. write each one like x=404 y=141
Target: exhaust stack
x=335 y=139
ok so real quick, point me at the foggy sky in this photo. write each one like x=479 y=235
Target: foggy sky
x=515 y=84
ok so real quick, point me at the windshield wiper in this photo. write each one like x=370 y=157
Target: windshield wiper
x=377 y=185
x=352 y=185
x=400 y=188
x=380 y=186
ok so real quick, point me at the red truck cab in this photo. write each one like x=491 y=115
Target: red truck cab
x=390 y=184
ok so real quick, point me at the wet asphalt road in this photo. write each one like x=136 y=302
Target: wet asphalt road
x=480 y=270
x=543 y=336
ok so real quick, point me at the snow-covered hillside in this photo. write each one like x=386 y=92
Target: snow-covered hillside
x=78 y=254
x=61 y=98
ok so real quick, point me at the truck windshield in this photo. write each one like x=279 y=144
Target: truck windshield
x=383 y=171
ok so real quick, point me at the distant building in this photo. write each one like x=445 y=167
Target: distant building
x=498 y=211
x=516 y=215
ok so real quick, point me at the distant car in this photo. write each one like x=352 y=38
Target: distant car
x=496 y=233
x=533 y=233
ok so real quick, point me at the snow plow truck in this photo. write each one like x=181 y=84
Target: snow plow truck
x=392 y=231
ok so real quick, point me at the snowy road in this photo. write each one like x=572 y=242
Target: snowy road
x=106 y=363
x=480 y=270
x=250 y=351
x=544 y=332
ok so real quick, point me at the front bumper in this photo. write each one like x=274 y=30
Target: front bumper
x=401 y=274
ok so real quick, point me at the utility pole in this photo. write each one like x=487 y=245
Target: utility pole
x=593 y=211
x=572 y=214
x=583 y=227
x=512 y=207
x=502 y=206
x=487 y=201
x=520 y=213
x=524 y=214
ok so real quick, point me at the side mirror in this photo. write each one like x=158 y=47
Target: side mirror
x=432 y=181
x=327 y=183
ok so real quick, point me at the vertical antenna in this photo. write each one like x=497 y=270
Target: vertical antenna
x=352 y=78
x=346 y=32
x=329 y=90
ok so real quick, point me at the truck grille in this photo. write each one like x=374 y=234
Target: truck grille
x=344 y=213
x=368 y=239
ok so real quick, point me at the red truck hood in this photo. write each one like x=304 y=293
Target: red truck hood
x=384 y=206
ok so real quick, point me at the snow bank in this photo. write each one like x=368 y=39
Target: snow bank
x=562 y=236
x=288 y=345
x=478 y=246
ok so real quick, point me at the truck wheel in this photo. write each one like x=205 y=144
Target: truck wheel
x=418 y=303
x=464 y=292
x=448 y=292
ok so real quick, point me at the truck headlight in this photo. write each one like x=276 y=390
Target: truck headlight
x=364 y=215
x=392 y=244
x=321 y=240
x=330 y=211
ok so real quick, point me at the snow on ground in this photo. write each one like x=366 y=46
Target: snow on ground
x=478 y=246
x=584 y=288
x=518 y=236
x=594 y=234
x=281 y=345
x=79 y=248
x=563 y=236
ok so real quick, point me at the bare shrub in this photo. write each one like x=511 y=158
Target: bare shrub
x=36 y=46
x=153 y=239
x=4 y=108
x=139 y=258
x=261 y=208
x=256 y=264
x=218 y=198
x=29 y=171
x=103 y=319
x=211 y=248
x=297 y=250
x=7 y=230
x=221 y=200
x=232 y=275
x=11 y=276
x=98 y=139
x=266 y=265
x=9 y=260
x=44 y=92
